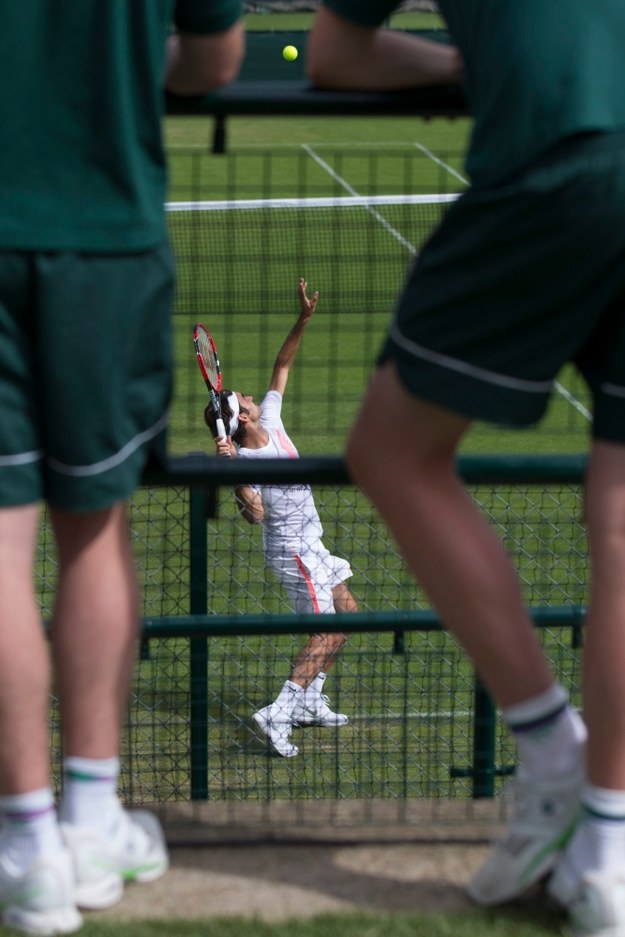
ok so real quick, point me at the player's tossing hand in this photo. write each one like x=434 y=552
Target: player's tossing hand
x=307 y=306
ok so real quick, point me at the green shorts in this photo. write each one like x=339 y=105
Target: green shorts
x=516 y=282
x=85 y=374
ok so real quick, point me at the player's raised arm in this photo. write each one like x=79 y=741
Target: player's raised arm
x=290 y=346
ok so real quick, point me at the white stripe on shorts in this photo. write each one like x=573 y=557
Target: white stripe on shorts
x=98 y=468
x=612 y=390
x=470 y=370
x=20 y=458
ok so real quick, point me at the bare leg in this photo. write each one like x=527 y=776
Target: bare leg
x=320 y=651
x=402 y=453
x=604 y=652
x=317 y=655
x=95 y=628
x=24 y=659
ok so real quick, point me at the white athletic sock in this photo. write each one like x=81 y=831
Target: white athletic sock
x=90 y=793
x=598 y=844
x=548 y=733
x=286 y=699
x=316 y=687
x=30 y=828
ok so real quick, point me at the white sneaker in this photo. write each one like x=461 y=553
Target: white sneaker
x=315 y=711
x=596 y=906
x=136 y=853
x=545 y=815
x=41 y=901
x=277 y=726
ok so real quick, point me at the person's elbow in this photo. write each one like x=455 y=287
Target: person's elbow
x=321 y=71
x=319 y=65
x=338 y=52
x=199 y=64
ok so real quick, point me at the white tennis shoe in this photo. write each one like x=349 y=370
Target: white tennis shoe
x=277 y=726
x=136 y=852
x=40 y=901
x=596 y=905
x=544 y=816
x=314 y=710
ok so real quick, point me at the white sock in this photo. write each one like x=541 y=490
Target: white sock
x=316 y=687
x=30 y=827
x=90 y=792
x=287 y=698
x=598 y=844
x=548 y=733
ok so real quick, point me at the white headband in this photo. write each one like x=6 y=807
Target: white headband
x=233 y=403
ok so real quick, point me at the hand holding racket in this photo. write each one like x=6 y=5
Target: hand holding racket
x=208 y=361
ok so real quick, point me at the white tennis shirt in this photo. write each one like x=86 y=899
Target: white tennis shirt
x=291 y=520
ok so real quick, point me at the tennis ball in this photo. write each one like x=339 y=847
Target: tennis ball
x=289 y=53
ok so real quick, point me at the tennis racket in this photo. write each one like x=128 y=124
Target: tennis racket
x=208 y=360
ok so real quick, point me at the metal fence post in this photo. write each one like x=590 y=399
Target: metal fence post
x=484 y=720
x=198 y=647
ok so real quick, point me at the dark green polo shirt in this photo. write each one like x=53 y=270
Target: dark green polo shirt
x=81 y=91
x=537 y=71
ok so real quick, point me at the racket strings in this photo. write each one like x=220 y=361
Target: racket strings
x=209 y=358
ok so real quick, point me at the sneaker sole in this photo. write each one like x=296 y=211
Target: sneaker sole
x=99 y=895
x=536 y=868
x=43 y=923
x=261 y=722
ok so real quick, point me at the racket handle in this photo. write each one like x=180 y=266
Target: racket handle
x=221 y=432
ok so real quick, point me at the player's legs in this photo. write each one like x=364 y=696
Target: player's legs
x=95 y=628
x=24 y=659
x=604 y=643
x=102 y=414
x=590 y=880
x=320 y=651
x=316 y=584
x=36 y=882
x=344 y=601
x=308 y=581
x=95 y=633
x=411 y=478
x=317 y=655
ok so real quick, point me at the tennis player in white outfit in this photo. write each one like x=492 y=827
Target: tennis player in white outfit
x=312 y=577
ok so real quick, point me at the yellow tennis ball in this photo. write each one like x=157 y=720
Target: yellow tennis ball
x=289 y=53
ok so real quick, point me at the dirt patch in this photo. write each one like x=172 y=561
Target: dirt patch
x=282 y=881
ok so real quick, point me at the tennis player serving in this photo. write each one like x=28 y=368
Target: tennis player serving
x=312 y=577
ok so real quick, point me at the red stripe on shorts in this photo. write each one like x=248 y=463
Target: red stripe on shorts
x=309 y=583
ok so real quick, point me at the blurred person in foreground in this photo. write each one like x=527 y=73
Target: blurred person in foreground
x=85 y=275
x=525 y=274
x=313 y=579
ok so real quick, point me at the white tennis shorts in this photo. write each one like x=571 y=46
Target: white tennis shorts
x=309 y=577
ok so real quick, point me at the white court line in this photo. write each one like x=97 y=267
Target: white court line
x=348 y=188
x=577 y=404
x=441 y=163
x=343 y=144
x=388 y=717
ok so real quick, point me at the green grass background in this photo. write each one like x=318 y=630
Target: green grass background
x=512 y=922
